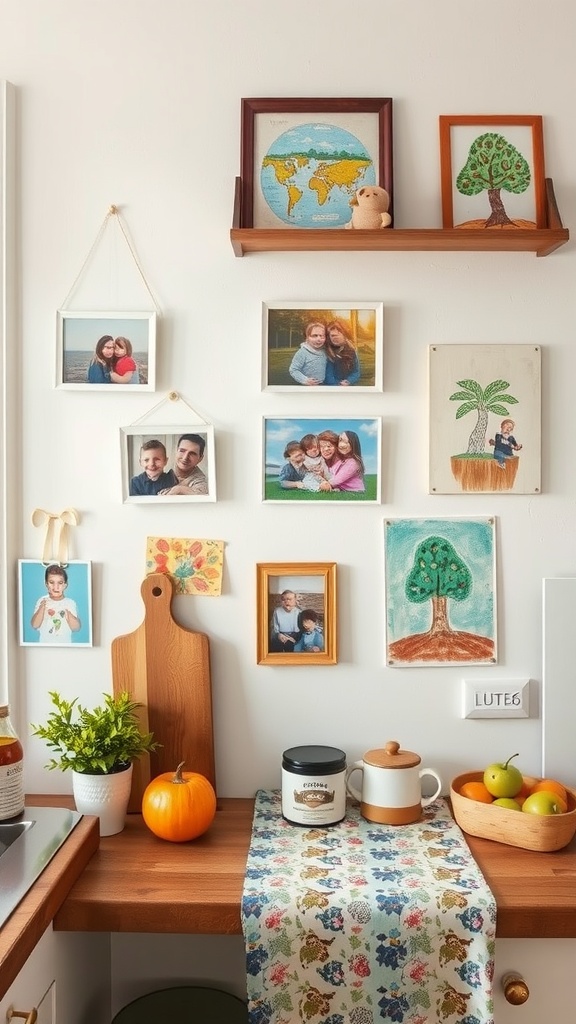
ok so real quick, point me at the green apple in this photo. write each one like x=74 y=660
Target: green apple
x=503 y=779
x=507 y=801
x=542 y=803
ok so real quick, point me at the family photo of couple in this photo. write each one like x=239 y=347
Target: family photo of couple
x=106 y=351
x=322 y=347
x=166 y=466
x=322 y=459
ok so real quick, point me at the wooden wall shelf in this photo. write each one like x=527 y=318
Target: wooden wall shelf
x=542 y=241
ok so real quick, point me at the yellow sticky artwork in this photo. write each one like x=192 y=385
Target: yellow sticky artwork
x=194 y=565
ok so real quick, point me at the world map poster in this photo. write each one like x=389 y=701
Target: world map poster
x=307 y=167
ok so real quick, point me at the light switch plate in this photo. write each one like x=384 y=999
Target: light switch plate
x=500 y=698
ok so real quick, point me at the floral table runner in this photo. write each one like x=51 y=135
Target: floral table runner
x=361 y=923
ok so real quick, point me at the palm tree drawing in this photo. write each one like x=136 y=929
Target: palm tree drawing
x=474 y=398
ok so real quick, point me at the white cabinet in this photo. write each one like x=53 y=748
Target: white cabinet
x=547 y=966
x=66 y=978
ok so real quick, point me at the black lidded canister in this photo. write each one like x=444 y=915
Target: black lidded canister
x=313 y=785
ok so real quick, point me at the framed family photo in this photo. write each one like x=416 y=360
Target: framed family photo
x=320 y=346
x=161 y=464
x=328 y=459
x=302 y=160
x=106 y=351
x=492 y=171
x=55 y=605
x=296 y=613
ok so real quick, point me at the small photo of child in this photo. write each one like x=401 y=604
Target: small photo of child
x=55 y=604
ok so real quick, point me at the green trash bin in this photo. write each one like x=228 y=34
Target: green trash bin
x=187 y=1004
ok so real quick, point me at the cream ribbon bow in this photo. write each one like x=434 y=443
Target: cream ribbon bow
x=55 y=541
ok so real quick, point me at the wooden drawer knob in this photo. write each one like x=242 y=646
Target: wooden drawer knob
x=29 y=1016
x=515 y=989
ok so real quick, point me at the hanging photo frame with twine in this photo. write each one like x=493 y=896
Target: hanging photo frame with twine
x=103 y=350
x=168 y=456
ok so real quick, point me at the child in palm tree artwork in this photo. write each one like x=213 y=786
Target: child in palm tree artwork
x=504 y=443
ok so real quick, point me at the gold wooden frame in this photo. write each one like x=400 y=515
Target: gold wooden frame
x=295 y=572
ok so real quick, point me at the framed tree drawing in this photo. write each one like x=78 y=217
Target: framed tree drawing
x=485 y=419
x=440 y=592
x=492 y=171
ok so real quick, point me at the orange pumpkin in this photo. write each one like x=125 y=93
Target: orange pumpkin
x=179 y=806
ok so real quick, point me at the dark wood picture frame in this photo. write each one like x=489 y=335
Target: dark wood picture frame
x=449 y=122
x=381 y=108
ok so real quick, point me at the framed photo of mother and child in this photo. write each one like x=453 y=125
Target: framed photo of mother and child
x=325 y=459
x=106 y=351
x=161 y=464
x=296 y=620
x=322 y=346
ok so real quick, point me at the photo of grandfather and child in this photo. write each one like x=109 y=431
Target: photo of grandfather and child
x=55 y=604
x=322 y=346
x=168 y=466
x=296 y=613
x=106 y=351
x=322 y=459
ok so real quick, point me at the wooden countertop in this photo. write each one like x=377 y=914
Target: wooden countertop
x=136 y=882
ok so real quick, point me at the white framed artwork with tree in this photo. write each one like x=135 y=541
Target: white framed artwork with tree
x=485 y=420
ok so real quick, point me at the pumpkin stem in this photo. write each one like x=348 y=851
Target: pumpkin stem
x=178 y=774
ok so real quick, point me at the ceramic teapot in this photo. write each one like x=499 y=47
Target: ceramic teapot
x=391 y=791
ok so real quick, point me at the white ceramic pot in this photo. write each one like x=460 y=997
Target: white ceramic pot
x=105 y=796
x=391 y=788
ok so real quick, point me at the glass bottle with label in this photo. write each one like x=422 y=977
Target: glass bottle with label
x=11 y=768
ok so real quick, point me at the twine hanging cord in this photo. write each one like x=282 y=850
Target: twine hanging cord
x=113 y=211
x=56 y=537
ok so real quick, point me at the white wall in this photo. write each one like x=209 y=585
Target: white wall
x=138 y=103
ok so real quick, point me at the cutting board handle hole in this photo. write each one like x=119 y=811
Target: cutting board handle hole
x=156 y=591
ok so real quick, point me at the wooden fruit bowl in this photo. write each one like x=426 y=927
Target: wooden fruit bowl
x=541 y=832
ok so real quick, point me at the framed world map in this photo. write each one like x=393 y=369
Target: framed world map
x=303 y=160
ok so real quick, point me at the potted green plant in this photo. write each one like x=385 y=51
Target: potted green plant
x=99 y=746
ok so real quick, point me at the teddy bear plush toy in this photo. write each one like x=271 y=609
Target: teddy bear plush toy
x=370 y=208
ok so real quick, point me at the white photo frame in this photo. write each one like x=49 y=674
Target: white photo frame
x=362 y=486
x=360 y=326
x=80 y=363
x=55 y=603
x=170 y=437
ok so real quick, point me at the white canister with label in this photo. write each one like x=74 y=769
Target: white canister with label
x=313 y=785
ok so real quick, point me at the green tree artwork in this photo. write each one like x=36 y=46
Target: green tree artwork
x=494 y=164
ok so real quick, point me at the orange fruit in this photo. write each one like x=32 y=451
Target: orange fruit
x=551 y=786
x=525 y=791
x=476 y=791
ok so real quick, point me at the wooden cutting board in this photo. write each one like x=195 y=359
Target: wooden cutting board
x=167 y=669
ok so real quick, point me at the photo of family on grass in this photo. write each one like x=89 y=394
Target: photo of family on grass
x=168 y=466
x=322 y=346
x=106 y=351
x=322 y=459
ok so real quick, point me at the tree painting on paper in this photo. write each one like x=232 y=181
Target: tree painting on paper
x=475 y=469
x=494 y=165
x=440 y=592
